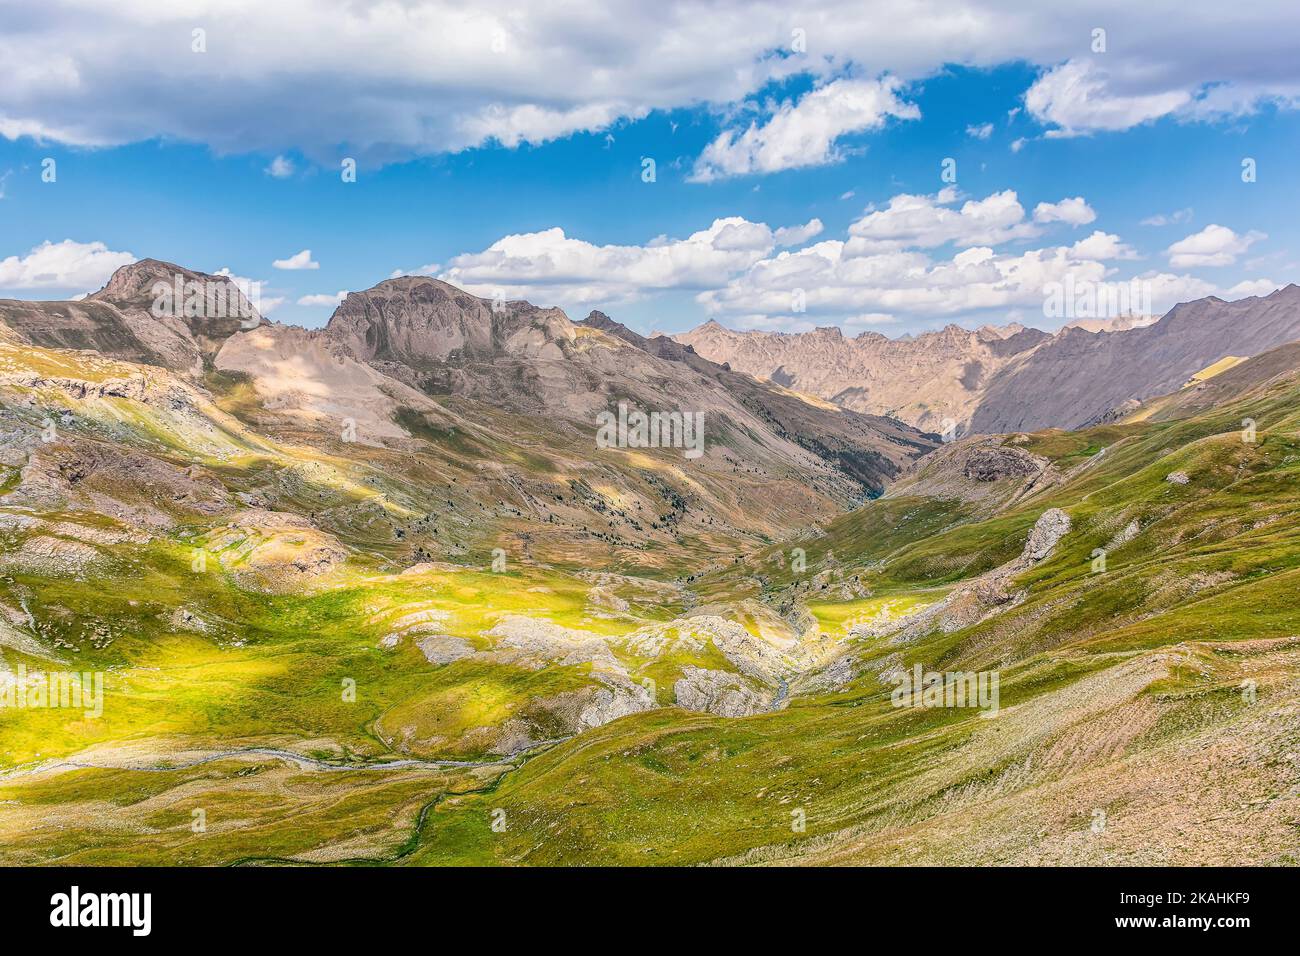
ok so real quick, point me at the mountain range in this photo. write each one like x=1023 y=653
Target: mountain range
x=415 y=359
x=361 y=593
x=992 y=379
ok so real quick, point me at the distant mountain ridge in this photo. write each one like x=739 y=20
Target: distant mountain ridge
x=988 y=381
x=923 y=380
x=1076 y=377
x=415 y=350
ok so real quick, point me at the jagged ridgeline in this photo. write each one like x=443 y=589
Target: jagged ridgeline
x=381 y=592
x=1008 y=378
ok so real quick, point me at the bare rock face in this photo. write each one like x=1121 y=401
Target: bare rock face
x=1177 y=478
x=1125 y=535
x=50 y=555
x=1052 y=525
x=751 y=656
x=115 y=480
x=273 y=551
x=988 y=471
x=536 y=642
x=719 y=692
x=443 y=649
x=15 y=639
x=834 y=677
x=998 y=462
x=616 y=699
x=416 y=321
x=1116 y=414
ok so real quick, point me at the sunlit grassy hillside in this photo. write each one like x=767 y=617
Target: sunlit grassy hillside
x=279 y=686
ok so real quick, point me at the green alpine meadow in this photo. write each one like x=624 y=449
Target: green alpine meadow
x=503 y=466
x=454 y=628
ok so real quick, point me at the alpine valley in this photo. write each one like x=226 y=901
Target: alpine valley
x=380 y=593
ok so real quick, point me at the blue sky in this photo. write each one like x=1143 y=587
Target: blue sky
x=834 y=137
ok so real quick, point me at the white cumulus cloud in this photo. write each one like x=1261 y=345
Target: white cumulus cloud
x=1078 y=97
x=299 y=260
x=927 y=221
x=1100 y=246
x=805 y=133
x=324 y=298
x=550 y=266
x=1074 y=211
x=798 y=235
x=62 y=265
x=530 y=123
x=1214 y=245
x=394 y=80
x=887 y=270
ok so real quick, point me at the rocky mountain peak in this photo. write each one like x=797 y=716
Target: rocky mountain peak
x=418 y=320
x=132 y=286
x=599 y=320
x=150 y=311
x=130 y=279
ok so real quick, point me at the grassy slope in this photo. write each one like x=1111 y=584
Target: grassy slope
x=1120 y=691
x=1120 y=694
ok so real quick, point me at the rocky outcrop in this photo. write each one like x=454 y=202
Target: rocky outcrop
x=751 y=656
x=993 y=463
x=274 y=551
x=443 y=649
x=1052 y=525
x=990 y=472
x=616 y=699
x=118 y=481
x=49 y=555
x=1125 y=535
x=536 y=642
x=719 y=692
